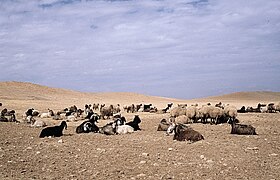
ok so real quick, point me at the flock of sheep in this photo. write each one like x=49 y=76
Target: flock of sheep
x=176 y=124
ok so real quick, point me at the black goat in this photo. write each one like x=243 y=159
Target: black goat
x=55 y=131
x=135 y=123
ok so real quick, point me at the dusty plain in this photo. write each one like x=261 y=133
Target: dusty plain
x=146 y=154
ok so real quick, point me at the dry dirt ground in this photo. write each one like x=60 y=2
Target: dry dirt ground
x=146 y=154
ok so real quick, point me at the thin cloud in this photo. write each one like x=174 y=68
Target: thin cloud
x=182 y=49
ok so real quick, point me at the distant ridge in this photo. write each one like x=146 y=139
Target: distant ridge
x=13 y=90
x=248 y=96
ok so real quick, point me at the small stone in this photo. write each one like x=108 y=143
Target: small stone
x=60 y=141
x=29 y=148
x=202 y=157
x=141 y=175
x=170 y=149
x=142 y=162
x=273 y=154
x=145 y=154
x=38 y=152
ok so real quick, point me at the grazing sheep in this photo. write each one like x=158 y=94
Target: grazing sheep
x=95 y=106
x=178 y=111
x=186 y=134
x=215 y=114
x=116 y=109
x=242 y=129
x=204 y=112
x=181 y=119
x=106 y=111
x=230 y=113
x=38 y=123
x=135 y=123
x=124 y=129
x=55 y=131
x=192 y=113
x=182 y=105
x=163 y=125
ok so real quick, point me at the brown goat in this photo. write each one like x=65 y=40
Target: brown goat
x=186 y=134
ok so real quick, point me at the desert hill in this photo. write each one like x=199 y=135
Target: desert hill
x=23 y=95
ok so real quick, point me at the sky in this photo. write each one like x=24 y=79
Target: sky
x=172 y=48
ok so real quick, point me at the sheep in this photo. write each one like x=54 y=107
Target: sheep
x=130 y=108
x=230 y=113
x=38 y=123
x=106 y=111
x=215 y=114
x=116 y=109
x=181 y=119
x=124 y=129
x=55 y=131
x=135 y=123
x=178 y=111
x=186 y=134
x=182 y=105
x=204 y=112
x=47 y=115
x=165 y=110
x=191 y=113
x=242 y=129
x=95 y=106
x=163 y=125
x=277 y=107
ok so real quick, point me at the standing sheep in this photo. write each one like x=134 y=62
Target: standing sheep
x=178 y=111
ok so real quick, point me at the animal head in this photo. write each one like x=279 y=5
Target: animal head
x=63 y=124
x=170 y=129
x=137 y=119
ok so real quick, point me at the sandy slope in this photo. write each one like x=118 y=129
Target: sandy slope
x=146 y=154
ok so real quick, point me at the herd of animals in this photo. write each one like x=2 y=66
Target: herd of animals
x=176 y=124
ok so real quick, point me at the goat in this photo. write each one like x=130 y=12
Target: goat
x=55 y=131
x=108 y=129
x=135 y=123
x=242 y=129
x=163 y=125
x=87 y=126
x=186 y=134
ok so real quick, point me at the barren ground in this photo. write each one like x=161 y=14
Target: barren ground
x=146 y=154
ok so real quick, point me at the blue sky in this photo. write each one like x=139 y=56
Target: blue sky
x=180 y=48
